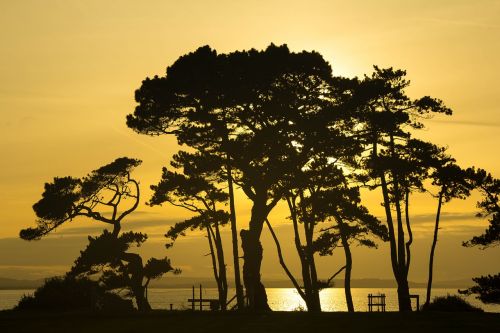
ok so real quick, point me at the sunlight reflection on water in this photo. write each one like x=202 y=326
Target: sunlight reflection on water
x=288 y=299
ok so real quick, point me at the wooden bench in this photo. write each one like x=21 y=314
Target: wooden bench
x=377 y=301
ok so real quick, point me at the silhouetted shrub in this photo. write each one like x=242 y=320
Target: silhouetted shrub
x=451 y=303
x=66 y=293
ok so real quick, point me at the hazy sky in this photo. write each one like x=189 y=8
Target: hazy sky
x=69 y=69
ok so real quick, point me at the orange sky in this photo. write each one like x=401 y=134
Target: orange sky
x=69 y=70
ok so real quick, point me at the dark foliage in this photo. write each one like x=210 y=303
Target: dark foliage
x=487 y=288
x=69 y=294
x=489 y=187
x=108 y=259
x=450 y=303
x=101 y=190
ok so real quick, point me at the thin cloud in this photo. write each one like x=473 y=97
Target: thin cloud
x=466 y=122
x=445 y=217
x=464 y=23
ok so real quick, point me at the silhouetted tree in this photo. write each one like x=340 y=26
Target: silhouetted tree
x=108 y=256
x=98 y=196
x=452 y=183
x=67 y=293
x=352 y=222
x=387 y=115
x=487 y=289
x=195 y=189
x=258 y=102
x=489 y=187
x=107 y=194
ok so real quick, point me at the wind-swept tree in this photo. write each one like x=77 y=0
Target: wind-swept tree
x=107 y=257
x=195 y=189
x=387 y=117
x=108 y=195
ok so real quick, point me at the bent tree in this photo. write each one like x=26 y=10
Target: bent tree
x=107 y=258
x=107 y=194
x=256 y=102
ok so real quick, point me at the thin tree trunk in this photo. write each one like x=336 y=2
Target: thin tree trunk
x=433 y=248
x=211 y=240
x=401 y=280
x=222 y=267
x=234 y=235
x=306 y=278
x=348 y=266
x=315 y=301
x=284 y=266
x=408 y=227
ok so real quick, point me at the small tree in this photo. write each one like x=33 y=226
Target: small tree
x=118 y=268
x=195 y=190
x=452 y=183
x=489 y=187
x=352 y=223
x=487 y=287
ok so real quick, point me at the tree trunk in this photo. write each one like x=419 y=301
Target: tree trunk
x=116 y=229
x=222 y=268
x=210 y=236
x=136 y=276
x=234 y=234
x=404 y=295
x=306 y=274
x=284 y=266
x=348 y=267
x=315 y=303
x=252 y=255
x=399 y=269
x=433 y=248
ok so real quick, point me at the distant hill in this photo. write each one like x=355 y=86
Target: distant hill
x=6 y=283
x=188 y=282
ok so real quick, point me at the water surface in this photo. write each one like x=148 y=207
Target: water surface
x=280 y=299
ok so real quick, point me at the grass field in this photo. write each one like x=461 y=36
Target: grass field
x=186 y=321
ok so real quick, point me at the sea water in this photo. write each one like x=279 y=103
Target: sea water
x=279 y=299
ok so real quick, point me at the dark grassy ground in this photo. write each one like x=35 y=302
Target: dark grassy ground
x=185 y=321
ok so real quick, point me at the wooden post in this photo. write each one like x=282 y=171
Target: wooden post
x=192 y=303
x=201 y=300
x=171 y=306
